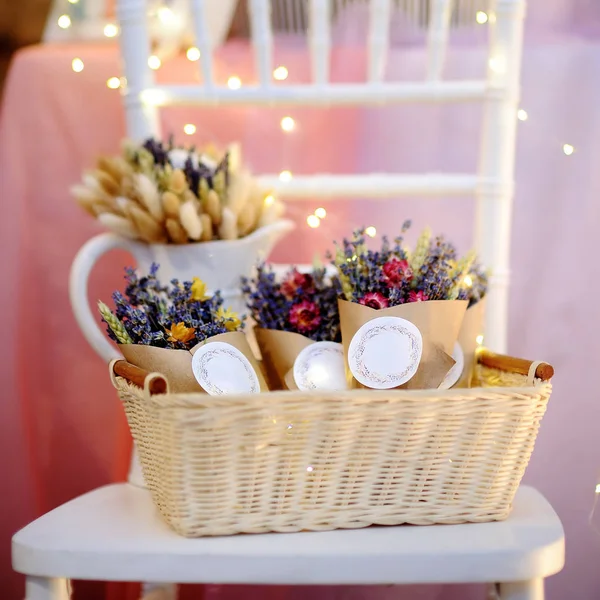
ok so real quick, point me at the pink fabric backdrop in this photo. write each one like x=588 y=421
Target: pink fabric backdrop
x=62 y=429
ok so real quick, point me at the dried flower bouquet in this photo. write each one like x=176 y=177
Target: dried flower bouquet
x=291 y=314
x=430 y=287
x=159 y=327
x=159 y=193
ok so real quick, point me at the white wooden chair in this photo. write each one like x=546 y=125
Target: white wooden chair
x=113 y=533
x=492 y=185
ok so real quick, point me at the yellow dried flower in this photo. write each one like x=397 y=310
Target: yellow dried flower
x=180 y=333
x=231 y=319
x=198 y=289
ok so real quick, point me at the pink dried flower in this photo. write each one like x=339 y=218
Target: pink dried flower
x=417 y=296
x=374 y=300
x=296 y=282
x=396 y=271
x=305 y=316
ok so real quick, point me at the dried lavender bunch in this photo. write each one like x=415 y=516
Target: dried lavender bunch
x=304 y=303
x=159 y=193
x=392 y=275
x=178 y=316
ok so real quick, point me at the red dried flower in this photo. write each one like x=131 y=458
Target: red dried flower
x=374 y=300
x=417 y=296
x=297 y=281
x=305 y=316
x=396 y=271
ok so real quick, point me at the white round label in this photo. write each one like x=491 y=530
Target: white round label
x=320 y=366
x=453 y=375
x=221 y=369
x=385 y=352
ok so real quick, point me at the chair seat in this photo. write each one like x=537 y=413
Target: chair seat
x=115 y=534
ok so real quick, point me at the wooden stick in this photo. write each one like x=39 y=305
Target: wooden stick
x=521 y=366
x=138 y=376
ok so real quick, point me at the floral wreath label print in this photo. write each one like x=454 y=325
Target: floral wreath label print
x=320 y=366
x=385 y=352
x=221 y=369
x=455 y=372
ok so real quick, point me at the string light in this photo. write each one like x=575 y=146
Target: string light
x=288 y=124
x=598 y=488
x=468 y=281
x=522 y=115
x=64 y=21
x=280 y=73
x=234 y=82
x=193 y=54
x=568 y=149
x=77 y=65
x=310 y=469
x=189 y=128
x=481 y=17
x=110 y=30
x=73 y=1
x=114 y=83
x=165 y=14
x=269 y=200
x=371 y=231
x=313 y=221
x=479 y=339
x=285 y=176
x=154 y=62
x=321 y=213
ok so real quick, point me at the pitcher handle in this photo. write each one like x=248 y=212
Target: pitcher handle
x=81 y=268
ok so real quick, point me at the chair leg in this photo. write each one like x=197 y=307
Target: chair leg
x=46 y=588
x=159 y=591
x=522 y=590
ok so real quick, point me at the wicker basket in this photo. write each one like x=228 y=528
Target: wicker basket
x=292 y=461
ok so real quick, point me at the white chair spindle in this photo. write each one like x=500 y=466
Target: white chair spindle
x=262 y=39
x=494 y=200
x=320 y=40
x=437 y=38
x=379 y=35
x=142 y=118
x=203 y=41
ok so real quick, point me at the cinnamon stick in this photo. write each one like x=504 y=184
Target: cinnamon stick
x=544 y=371
x=138 y=376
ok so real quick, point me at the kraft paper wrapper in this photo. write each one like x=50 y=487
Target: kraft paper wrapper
x=439 y=322
x=279 y=350
x=472 y=327
x=175 y=365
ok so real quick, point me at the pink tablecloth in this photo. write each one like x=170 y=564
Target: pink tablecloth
x=62 y=429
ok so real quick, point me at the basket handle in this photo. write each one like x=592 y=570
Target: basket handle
x=153 y=383
x=543 y=370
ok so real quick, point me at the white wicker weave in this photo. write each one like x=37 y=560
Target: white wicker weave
x=288 y=461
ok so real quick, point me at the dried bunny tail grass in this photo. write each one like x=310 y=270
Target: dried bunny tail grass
x=171 y=204
x=177 y=233
x=417 y=260
x=149 y=196
x=86 y=197
x=124 y=205
x=149 y=229
x=212 y=207
x=246 y=221
x=207 y=228
x=188 y=215
x=118 y=224
x=238 y=192
x=203 y=190
x=115 y=325
x=177 y=182
x=219 y=183
x=228 y=228
x=107 y=182
x=235 y=157
x=116 y=166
